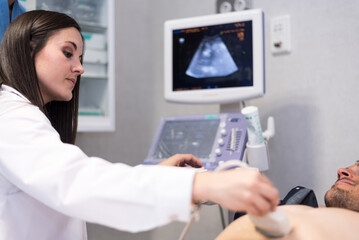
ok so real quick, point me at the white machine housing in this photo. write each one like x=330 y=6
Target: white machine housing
x=214 y=93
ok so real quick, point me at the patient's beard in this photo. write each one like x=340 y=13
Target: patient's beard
x=342 y=199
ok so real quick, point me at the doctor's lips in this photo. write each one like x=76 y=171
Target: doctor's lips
x=73 y=80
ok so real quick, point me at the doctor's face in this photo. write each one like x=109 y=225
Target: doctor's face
x=345 y=191
x=58 y=64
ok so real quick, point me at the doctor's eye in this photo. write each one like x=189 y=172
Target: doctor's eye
x=67 y=54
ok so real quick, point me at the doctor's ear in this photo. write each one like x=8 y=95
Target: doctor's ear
x=32 y=47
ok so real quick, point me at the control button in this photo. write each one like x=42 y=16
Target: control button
x=218 y=152
x=233 y=139
x=222 y=125
x=221 y=142
x=223 y=132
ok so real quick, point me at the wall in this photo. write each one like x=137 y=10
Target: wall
x=311 y=92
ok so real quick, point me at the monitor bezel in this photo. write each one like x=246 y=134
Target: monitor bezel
x=219 y=95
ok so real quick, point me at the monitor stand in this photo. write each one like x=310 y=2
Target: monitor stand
x=230 y=107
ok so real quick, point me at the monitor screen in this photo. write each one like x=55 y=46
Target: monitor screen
x=212 y=138
x=215 y=59
x=191 y=136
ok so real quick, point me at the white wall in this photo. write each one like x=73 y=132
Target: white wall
x=311 y=92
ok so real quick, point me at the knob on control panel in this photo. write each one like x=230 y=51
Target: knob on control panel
x=223 y=132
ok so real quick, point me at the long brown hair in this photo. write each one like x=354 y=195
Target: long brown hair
x=23 y=39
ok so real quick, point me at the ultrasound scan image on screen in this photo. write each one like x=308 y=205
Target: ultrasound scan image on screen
x=217 y=56
x=195 y=137
x=212 y=59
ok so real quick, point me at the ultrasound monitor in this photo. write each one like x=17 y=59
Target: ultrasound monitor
x=215 y=59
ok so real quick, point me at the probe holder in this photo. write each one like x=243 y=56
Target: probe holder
x=257 y=156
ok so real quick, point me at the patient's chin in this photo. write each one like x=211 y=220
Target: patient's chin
x=334 y=197
x=340 y=198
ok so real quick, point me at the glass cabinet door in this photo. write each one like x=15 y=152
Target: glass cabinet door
x=96 y=106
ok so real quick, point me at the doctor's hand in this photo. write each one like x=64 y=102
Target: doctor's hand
x=237 y=190
x=182 y=160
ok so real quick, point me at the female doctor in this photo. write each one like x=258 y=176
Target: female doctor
x=49 y=187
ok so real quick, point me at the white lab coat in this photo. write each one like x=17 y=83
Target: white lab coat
x=48 y=189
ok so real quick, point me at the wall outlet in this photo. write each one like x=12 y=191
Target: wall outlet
x=280 y=34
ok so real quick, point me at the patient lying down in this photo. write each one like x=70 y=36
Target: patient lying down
x=307 y=223
x=339 y=220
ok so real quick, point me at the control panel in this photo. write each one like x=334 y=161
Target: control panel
x=211 y=138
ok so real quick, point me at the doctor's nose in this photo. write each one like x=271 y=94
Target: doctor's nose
x=344 y=172
x=78 y=68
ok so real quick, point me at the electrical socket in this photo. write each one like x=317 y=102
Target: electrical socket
x=280 y=34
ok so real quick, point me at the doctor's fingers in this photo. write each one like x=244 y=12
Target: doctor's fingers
x=268 y=191
x=189 y=160
x=247 y=201
x=182 y=160
x=260 y=191
x=260 y=205
x=257 y=210
x=265 y=196
x=255 y=202
x=255 y=176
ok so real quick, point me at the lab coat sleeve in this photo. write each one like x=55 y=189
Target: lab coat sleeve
x=62 y=177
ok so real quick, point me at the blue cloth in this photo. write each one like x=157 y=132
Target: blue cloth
x=5 y=16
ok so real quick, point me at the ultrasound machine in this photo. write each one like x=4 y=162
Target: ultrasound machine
x=215 y=59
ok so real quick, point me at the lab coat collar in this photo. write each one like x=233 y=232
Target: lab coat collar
x=14 y=91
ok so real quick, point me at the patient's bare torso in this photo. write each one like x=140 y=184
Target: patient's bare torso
x=307 y=223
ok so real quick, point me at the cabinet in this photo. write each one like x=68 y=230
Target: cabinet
x=97 y=89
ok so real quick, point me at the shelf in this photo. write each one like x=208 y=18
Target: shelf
x=90 y=112
x=97 y=91
x=92 y=27
x=94 y=77
x=102 y=123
